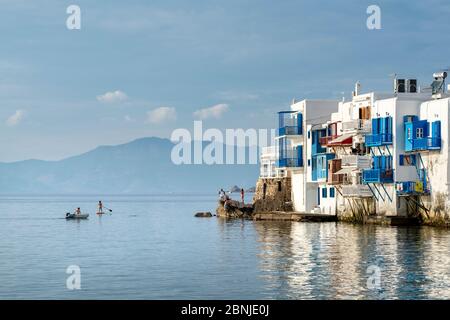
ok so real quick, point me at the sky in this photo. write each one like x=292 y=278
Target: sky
x=144 y=68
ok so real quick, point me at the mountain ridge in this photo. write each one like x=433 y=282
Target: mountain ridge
x=140 y=166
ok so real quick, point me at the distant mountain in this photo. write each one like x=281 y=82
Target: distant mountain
x=141 y=166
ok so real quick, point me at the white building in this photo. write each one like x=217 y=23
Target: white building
x=380 y=153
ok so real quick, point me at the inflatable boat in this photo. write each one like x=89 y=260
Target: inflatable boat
x=74 y=216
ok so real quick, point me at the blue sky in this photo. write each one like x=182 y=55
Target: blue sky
x=162 y=62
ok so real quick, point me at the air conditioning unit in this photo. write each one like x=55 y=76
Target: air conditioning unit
x=412 y=85
x=399 y=85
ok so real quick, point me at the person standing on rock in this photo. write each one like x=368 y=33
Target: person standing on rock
x=222 y=195
x=242 y=195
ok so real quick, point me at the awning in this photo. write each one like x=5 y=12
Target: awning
x=345 y=171
x=344 y=139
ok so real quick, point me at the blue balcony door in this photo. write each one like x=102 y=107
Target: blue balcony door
x=436 y=129
x=409 y=136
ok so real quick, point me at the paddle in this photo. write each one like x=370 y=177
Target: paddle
x=107 y=209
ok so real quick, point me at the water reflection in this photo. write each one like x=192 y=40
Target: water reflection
x=331 y=261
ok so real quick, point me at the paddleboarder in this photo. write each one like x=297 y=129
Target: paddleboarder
x=100 y=207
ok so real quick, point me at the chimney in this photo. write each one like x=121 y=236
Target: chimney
x=357 y=88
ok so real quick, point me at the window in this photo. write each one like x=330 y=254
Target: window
x=407 y=160
x=419 y=133
x=279 y=186
x=309 y=134
x=324 y=192
x=331 y=192
x=309 y=162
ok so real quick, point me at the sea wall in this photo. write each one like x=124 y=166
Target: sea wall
x=273 y=194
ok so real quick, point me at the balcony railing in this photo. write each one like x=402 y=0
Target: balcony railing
x=269 y=152
x=359 y=190
x=360 y=162
x=427 y=143
x=411 y=188
x=375 y=140
x=335 y=179
x=378 y=176
x=289 y=131
x=290 y=163
x=361 y=125
x=324 y=141
x=265 y=173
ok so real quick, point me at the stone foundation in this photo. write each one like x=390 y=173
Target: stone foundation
x=273 y=195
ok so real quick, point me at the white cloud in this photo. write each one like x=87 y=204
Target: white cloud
x=15 y=118
x=129 y=118
x=112 y=97
x=212 y=112
x=161 y=114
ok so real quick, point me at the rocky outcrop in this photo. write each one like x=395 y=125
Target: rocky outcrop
x=231 y=209
x=273 y=195
x=203 y=215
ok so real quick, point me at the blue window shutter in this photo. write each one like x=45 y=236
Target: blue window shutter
x=324 y=192
x=375 y=129
x=436 y=129
x=402 y=160
x=300 y=123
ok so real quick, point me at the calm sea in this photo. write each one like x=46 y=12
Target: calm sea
x=151 y=247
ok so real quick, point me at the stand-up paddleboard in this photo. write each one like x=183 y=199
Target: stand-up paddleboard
x=73 y=216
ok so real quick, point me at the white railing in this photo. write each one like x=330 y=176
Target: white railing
x=268 y=173
x=362 y=125
x=359 y=162
x=269 y=152
x=356 y=190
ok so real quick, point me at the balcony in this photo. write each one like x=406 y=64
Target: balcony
x=268 y=172
x=411 y=188
x=378 y=176
x=335 y=179
x=358 y=191
x=358 y=125
x=290 y=123
x=356 y=161
x=269 y=153
x=289 y=131
x=427 y=143
x=376 y=140
x=290 y=163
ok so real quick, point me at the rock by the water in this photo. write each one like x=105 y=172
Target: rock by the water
x=232 y=209
x=203 y=215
